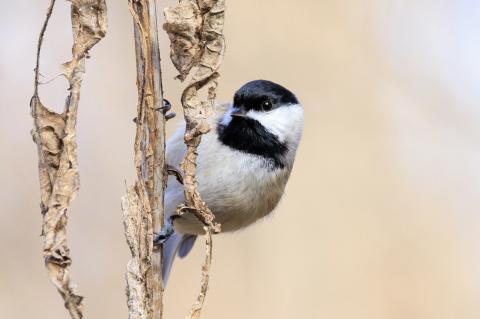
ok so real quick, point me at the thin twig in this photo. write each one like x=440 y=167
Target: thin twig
x=198 y=304
x=39 y=46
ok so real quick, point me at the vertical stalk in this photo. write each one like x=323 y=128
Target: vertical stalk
x=149 y=164
x=55 y=136
x=195 y=29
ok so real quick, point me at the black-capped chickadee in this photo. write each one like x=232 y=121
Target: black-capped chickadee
x=243 y=164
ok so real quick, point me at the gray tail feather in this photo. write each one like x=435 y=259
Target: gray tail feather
x=186 y=245
x=177 y=243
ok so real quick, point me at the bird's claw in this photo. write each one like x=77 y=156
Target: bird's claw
x=162 y=236
x=167 y=106
x=172 y=170
x=165 y=233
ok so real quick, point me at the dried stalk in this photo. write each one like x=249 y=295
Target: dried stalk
x=143 y=204
x=197 y=306
x=138 y=230
x=195 y=29
x=54 y=135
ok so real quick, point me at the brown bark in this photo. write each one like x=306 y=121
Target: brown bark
x=54 y=134
x=143 y=204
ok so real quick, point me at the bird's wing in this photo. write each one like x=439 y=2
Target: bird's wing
x=180 y=244
x=186 y=245
x=170 y=249
x=176 y=148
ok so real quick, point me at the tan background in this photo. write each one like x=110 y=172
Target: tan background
x=380 y=219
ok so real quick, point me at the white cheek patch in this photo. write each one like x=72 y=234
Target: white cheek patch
x=227 y=117
x=285 y=122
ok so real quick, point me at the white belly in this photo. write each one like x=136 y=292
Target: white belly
x=237 y=187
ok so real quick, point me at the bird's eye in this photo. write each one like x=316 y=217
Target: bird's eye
x=267 y=105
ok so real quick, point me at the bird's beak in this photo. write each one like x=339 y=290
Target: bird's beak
x=238 y=112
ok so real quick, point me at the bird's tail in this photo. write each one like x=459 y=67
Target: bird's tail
x=177 y=243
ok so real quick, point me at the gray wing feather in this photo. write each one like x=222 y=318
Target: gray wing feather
x=177 y=243
x=186 y=245
x=170 y=248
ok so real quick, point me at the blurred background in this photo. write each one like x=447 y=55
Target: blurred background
x=381 y=214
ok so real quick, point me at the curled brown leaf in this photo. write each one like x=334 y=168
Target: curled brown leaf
x=195 y=29
x=54 y=133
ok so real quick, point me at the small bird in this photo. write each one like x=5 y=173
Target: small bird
x=243 y=164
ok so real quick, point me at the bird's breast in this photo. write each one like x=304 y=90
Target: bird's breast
x=239 y=188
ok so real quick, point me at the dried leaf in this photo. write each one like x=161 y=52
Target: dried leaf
x=195 y=29
x=54 y=135
x=183 y=26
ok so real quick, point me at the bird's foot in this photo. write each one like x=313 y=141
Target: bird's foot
x=172 y=170
x=167 y=106
x=165 y=233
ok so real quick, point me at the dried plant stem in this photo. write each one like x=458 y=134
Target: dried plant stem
x=39 y=46
x=195 y=28
x=198 y=304
x=143 y=204
x=54 y=134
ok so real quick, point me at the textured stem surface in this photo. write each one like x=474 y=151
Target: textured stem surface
x=143 y=204
x=54 y=134
x=195 y=29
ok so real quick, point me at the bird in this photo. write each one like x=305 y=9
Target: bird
x=243 y=164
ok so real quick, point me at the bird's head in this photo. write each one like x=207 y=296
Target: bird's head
x=265 y=119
